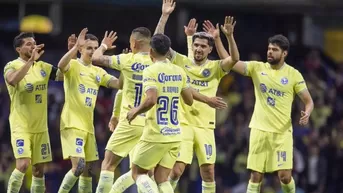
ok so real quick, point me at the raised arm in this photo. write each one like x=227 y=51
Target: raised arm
x=190 y=31
x=98 y=57
x=71 y=43
x=13 y=77
x=228 y=61
x=168 y=7
x=63 y=64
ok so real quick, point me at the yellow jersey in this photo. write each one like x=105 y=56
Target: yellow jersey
x=131 y=66
x=274 y=92
x=205 y=79
x=81 y=86
x=162 y=120
x=28 y=111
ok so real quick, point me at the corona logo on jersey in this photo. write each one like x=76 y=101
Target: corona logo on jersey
x=83 y=89
x=162 y=78
x=138 y=67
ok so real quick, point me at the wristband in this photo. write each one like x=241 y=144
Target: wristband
x=104 y=45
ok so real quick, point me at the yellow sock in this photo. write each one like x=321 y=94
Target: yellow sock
x=105 y=182
x=85 y=185
x=38 y=185
x=208 y=187
x=146 y=184
x=288 y=188
x=122 y=183
x=15 y=181
x=165 y=187
x=68 y=182
x=253 y=187
x=173 y=182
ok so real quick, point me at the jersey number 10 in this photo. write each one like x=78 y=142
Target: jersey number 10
x=161 y=113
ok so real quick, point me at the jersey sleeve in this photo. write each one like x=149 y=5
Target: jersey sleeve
x=117 y=104
x=219 y=70
x=299 y=82
x=118 y=61
x=8 y=68
x=73 y=64
x=179 y=59
x=250 y=67
x=149 y=80
x=185 y=80
x=105 y=78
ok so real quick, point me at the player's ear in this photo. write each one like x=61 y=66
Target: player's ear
x=17 y=49
x=211 y=48
x=285 y=53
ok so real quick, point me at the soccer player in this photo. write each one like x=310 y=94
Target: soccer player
x=27 y=83
x=276 y=83
x=81 y=84
x=163 y=84
x=198 y=121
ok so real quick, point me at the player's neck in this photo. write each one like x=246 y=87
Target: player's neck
x=278 y=66
x=23 y=57
x=160 y=59
x=85 y=61
x=199 y=63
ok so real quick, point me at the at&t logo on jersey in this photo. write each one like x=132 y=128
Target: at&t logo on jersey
x=29 y=87
x=162 y=78
x=263 y=88
x=206 y=73
x=83 y=89
x=79 y=144
x=137 y=67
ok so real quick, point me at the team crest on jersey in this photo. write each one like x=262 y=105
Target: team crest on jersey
x=97 y=78
x=206 y=73
x=284 y=81
x=82 y=88
x=263 y=88
x=29 y=87
x=43 y=73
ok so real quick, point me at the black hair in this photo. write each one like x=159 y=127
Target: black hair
x=280 y=41
x=143 y=31
x=91 y=37
x=160 y=43
x=18 y=40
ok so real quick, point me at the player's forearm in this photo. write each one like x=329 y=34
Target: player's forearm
x=161 y=24
x=63 y=64
x=233 y=49
x=220 y=48
x=309 y=106
x=116 y=104
x=114 y=83
x=13 y=78
x=199 y=97
x=98 y=56
x=189 y=47
x=145 y=106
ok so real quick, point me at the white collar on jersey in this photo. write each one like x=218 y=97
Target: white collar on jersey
x=143 y=53
x=22 y=60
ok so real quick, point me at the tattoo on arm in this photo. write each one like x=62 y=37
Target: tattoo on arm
x=161 y=25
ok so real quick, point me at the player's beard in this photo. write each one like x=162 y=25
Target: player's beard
x=28 y=54
x=274 y=61
x=200 y=58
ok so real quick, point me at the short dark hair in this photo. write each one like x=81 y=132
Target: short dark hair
x=204 y=35
x=18 y=40
x=143 y=31
x=91 y=37
x=280 y=40
x=160 y=43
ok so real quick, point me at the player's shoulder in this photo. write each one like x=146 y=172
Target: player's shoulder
x=291 y=69
x=42 y=64
x=14 y=63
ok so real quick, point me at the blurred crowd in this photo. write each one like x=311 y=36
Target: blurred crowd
x=318 y=148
